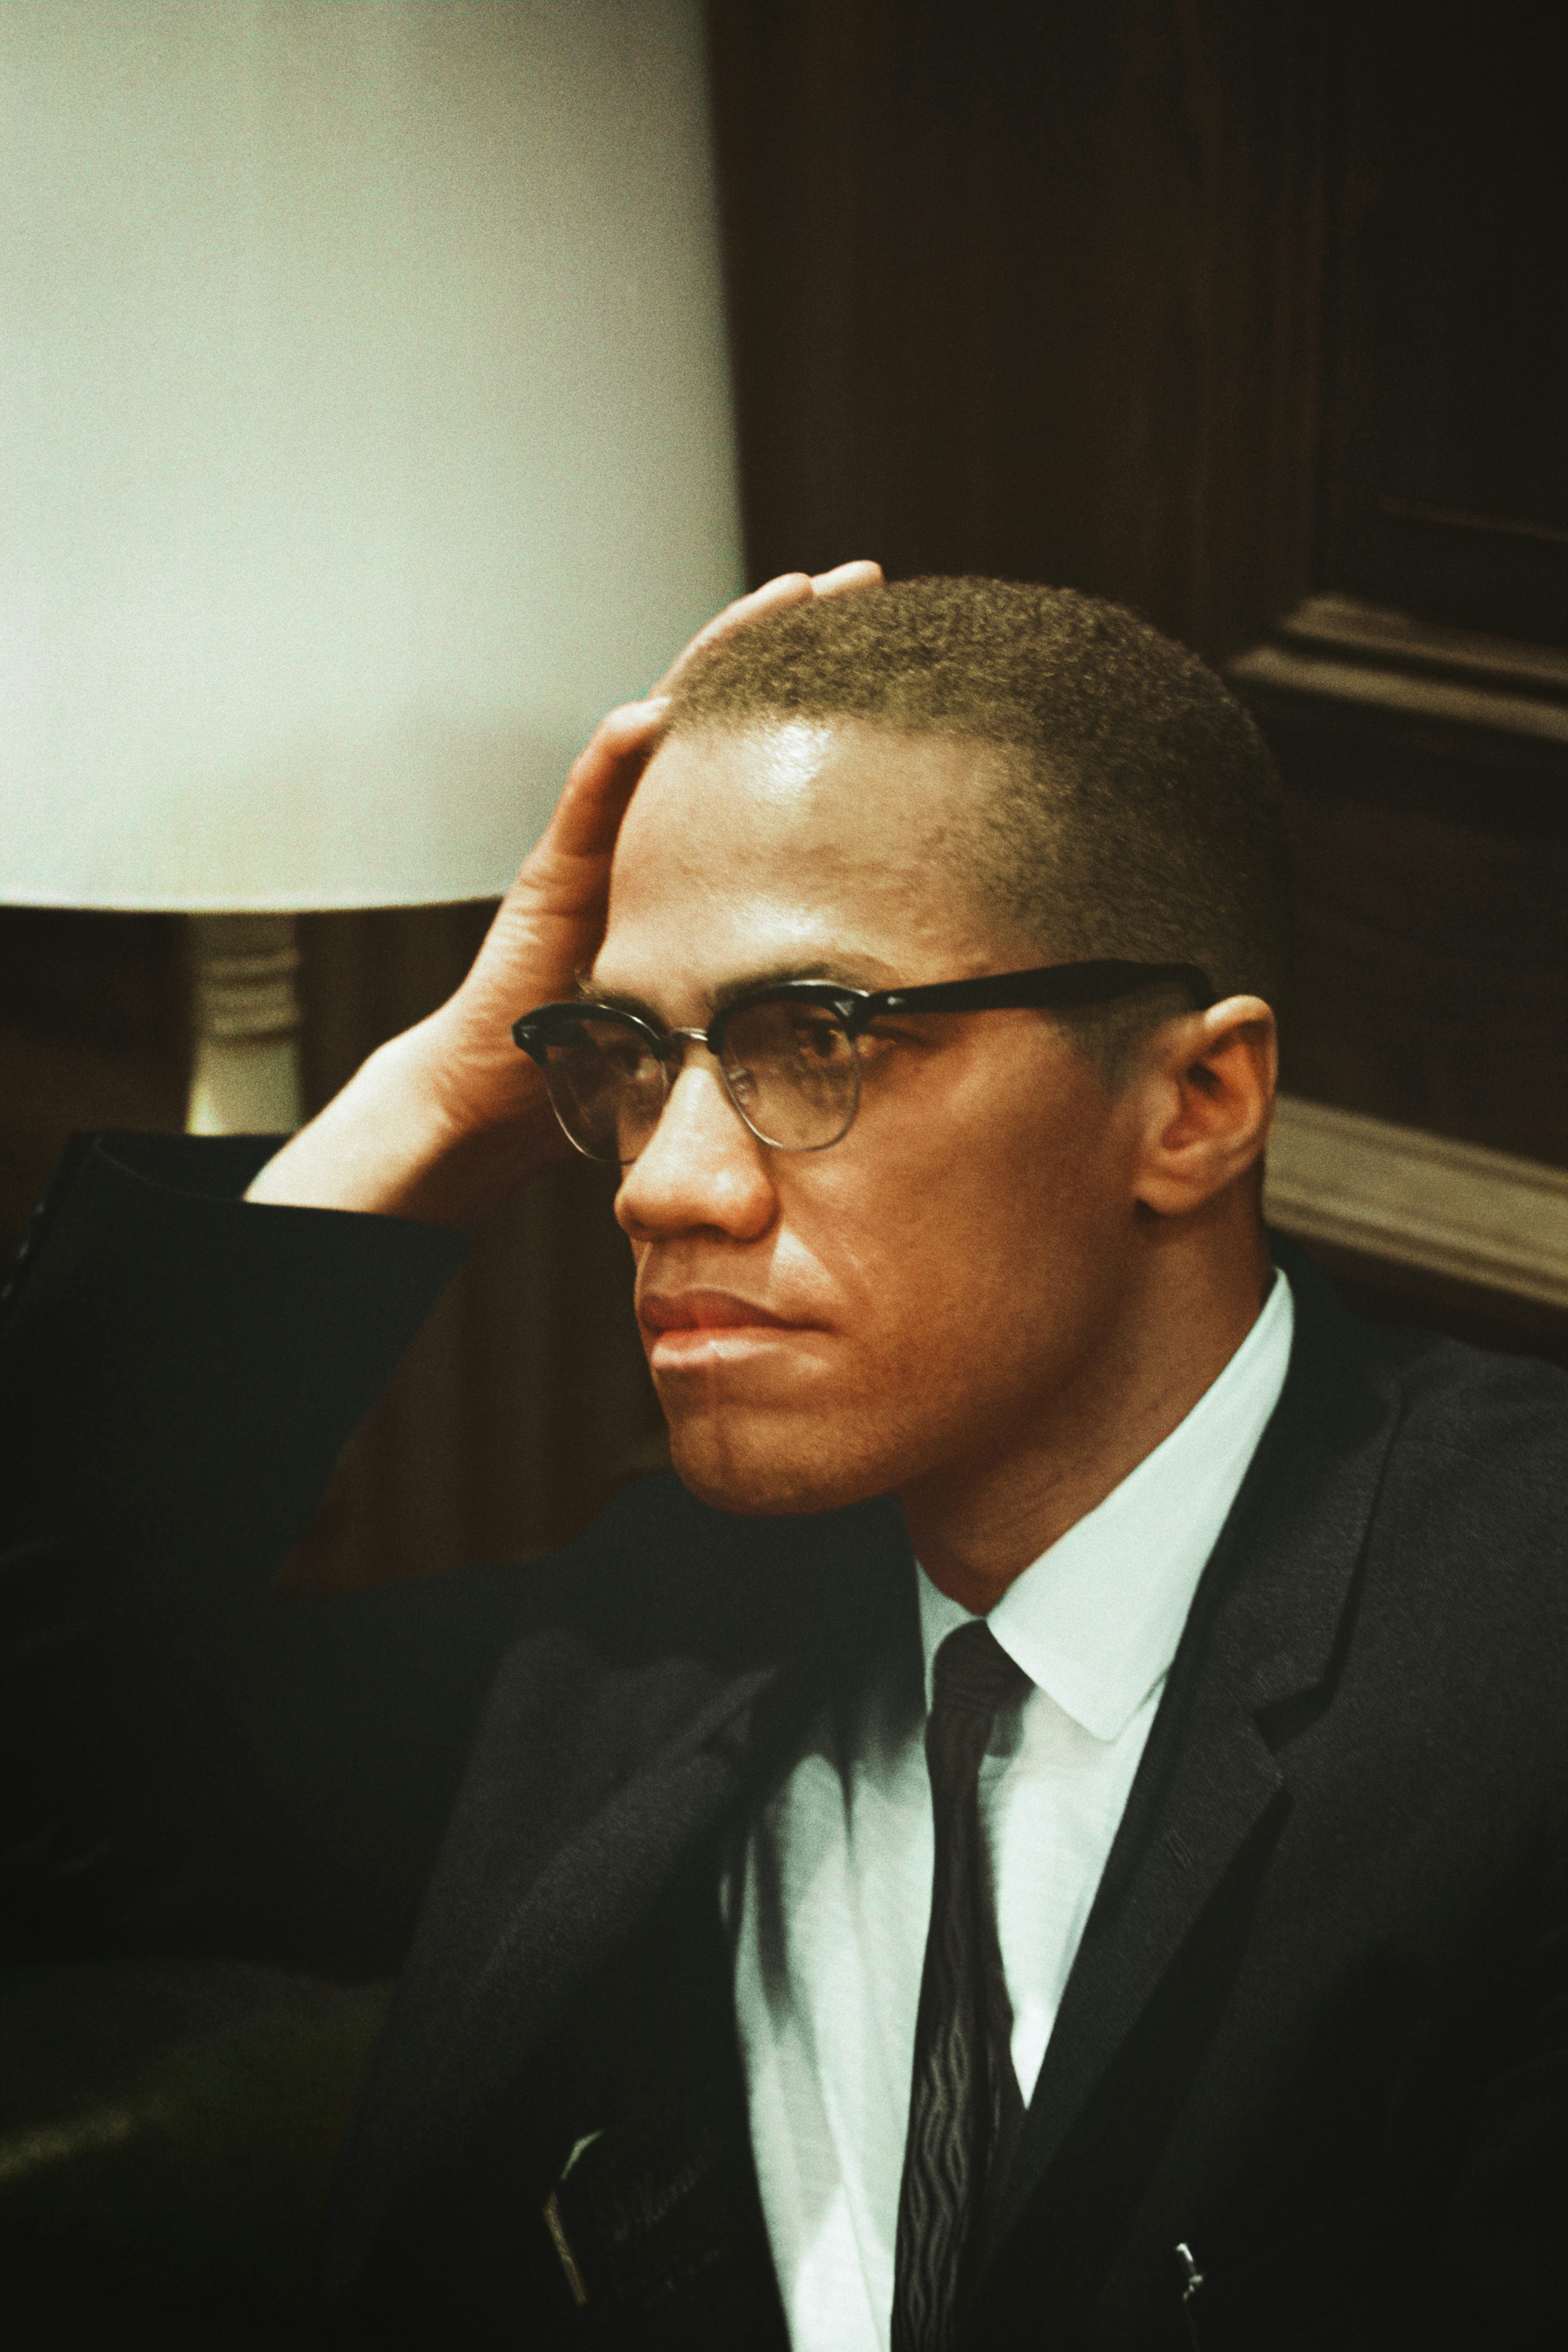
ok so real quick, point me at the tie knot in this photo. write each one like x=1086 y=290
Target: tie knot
x=973 y=1675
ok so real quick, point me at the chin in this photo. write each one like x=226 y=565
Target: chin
x=758 y=1469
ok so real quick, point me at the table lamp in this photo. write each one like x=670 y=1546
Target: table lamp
x=366 y=434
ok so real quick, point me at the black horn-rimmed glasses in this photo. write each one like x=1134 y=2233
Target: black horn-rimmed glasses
x=789 y=1053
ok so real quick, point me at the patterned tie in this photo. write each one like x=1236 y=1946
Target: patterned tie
x=964 y=2104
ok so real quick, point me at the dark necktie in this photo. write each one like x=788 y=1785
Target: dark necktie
x=964 y=2104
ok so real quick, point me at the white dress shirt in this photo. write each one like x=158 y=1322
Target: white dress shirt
x=829 y=1897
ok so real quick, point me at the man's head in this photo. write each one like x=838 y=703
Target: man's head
x=914 y=785
x=1129 y=807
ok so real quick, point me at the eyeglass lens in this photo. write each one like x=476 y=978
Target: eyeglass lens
x=790 y=1069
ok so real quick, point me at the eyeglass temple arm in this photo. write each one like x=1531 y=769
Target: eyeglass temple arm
x=1060 y=986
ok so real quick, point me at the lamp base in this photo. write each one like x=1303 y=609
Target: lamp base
x=246 y=1076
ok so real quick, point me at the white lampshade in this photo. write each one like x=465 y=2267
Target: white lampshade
x=365 y=433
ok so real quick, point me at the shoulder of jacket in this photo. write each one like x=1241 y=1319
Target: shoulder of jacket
x=1489 y=1406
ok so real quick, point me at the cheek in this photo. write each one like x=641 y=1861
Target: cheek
x=955 y=1300
x=982 y=1268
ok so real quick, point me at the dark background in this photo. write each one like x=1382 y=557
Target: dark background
x=1207 y=306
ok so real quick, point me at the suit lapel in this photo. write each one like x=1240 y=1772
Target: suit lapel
x=593 y=1787
x=1262 y=1631
x=502 y=1950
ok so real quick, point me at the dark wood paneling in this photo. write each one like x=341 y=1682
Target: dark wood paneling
x=93 y=1033
x=1445 y=475
x=1420 y=706
x=1428 y=773
x=1030 y=288
x=1432 y=976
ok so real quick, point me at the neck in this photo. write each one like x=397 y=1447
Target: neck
x=1190 y=1302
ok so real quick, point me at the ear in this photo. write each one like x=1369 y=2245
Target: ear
x=1206 y=1098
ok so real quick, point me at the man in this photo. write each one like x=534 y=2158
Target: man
x=1052 y=1831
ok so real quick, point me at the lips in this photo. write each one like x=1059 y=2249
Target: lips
x=707 y=1310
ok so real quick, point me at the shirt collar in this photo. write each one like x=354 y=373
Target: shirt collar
x=1095 y=1620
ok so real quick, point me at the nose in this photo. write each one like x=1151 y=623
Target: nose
x=702 y=1170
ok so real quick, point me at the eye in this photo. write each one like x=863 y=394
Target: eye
x=817 y=1036
x=777 y=1033
x=619 y=1050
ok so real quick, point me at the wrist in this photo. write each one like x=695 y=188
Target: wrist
x=401 y=1140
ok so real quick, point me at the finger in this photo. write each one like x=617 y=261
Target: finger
x=845 y=577
x=784 y=588
x=788 y=588
x=602 y=779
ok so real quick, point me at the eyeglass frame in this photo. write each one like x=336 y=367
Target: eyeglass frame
x=1052 y=987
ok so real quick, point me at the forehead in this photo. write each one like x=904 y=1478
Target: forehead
x=831 y=844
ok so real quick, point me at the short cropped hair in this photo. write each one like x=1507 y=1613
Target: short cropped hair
x=1135 y=811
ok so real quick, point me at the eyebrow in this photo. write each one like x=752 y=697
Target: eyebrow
x=730 y=992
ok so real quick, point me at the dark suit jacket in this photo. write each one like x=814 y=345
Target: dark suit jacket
x=1317 y=2030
